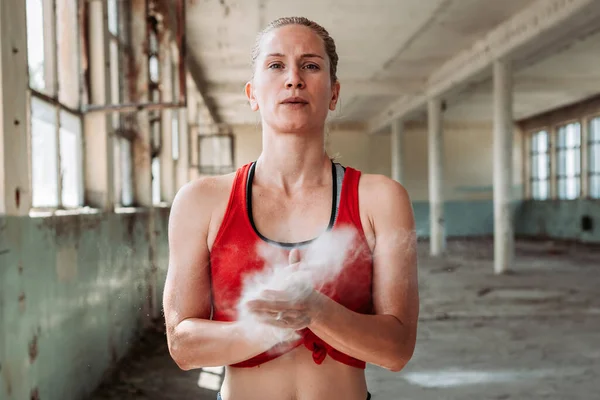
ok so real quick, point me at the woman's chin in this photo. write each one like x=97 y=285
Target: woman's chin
x=300 y=125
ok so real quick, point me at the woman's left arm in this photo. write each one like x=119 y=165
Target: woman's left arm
x=388 y=338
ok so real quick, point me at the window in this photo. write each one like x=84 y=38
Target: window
x=568 y=161
x=44 y=150
x=56 y=149
x=38 y=64
x=71 y=163
x=155 y=115
x=540 y=166
x=216 y=154
x=594 y=158
x=122 y=145
x=67 y=47
x=56 y=126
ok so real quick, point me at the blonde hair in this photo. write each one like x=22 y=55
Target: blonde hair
x=316 y=28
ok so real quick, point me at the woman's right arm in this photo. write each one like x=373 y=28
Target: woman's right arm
x=194 y=340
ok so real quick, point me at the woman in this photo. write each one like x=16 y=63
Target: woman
x=367 y=315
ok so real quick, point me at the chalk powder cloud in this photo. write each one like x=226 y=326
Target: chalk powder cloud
x=322 y=261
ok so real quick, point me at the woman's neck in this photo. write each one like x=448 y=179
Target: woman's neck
x=292 y=161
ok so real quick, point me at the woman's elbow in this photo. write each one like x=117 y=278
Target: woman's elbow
x=399 y=362
x=402 y=356
x=177 y=349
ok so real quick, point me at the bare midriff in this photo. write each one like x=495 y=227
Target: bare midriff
x=295 y=376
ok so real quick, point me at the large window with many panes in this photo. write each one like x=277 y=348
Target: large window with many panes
x=60 y=35
x=594 y=157
x=540 y=165
x=564 y=153
x=55 y=76
x=154 y=74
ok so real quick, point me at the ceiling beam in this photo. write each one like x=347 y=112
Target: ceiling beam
x=543 y=25
x=197 y=77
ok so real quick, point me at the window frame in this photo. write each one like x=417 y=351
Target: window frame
x=216 y=169
x=558 y=150
x=50 y=96
x=583 y=113
x=530 y=153
x=123 y=180
x=50 y=92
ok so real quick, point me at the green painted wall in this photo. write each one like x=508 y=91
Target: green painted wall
x=560 y=219
x=75 y=291
x=463 y=218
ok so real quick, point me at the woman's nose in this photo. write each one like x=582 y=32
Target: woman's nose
x=294 y=80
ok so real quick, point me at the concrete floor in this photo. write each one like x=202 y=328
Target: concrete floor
x=531 y=334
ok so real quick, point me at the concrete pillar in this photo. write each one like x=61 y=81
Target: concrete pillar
x=396 y=143
x=167 y=167
x=188 y=119
x=183 y=163
x=196 y=130
x=436 y=187
x=503 y=147
x=98 y=156
x=194 y=167
x=15 y=166
x=142 y=151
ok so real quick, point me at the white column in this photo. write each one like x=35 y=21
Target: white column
x=396 y=143
x=182 y=172
x=187 y=116
x=503 y=146
x=15 y=187
x=436 y=195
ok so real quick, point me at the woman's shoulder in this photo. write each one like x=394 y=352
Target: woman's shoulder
x=204 y=194
x=380 y=194
x=381 y=183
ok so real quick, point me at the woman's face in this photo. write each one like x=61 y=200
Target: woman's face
x=292 y=85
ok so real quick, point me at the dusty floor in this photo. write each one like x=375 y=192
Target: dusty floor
x=531 y=334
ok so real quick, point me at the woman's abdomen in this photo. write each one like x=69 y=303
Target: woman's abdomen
x=295 y=376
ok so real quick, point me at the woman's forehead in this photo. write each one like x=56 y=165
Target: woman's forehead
x=291 y=40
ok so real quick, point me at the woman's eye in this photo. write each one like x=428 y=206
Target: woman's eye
x=311 y=66
x=275 y=66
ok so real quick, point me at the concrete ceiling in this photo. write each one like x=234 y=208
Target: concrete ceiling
x=387 y=48
x=564 y=78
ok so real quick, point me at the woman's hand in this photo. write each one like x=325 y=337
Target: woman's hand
x=292 y=309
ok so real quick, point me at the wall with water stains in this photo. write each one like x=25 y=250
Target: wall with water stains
x=75 y=291
x=577 y=220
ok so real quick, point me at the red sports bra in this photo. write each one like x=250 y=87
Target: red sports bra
x=233 y=255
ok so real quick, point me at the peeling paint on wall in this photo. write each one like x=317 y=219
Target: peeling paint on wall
x=66 y=264
x=75 y=289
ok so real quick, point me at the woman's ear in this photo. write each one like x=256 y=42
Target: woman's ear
x=250 y=96
x=335 y=95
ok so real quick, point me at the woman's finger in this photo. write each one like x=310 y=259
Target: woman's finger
x=284 y=321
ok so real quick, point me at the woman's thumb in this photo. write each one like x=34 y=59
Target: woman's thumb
x=294 y=256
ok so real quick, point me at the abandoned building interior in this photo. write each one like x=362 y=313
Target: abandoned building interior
x=487 y=112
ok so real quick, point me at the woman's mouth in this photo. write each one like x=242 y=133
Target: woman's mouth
x=294 y=101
